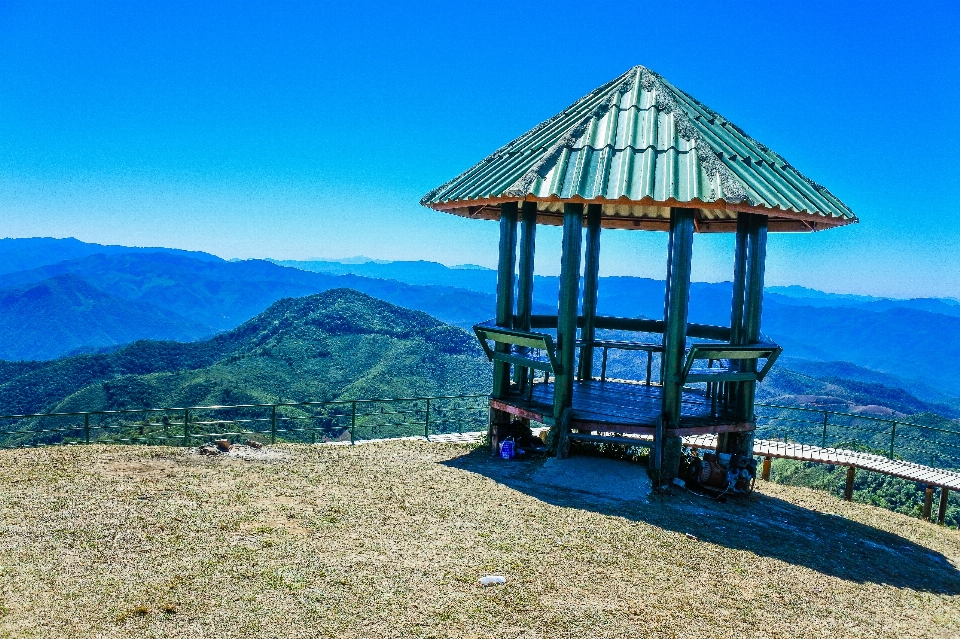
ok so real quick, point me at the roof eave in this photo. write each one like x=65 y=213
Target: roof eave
x=781 y=220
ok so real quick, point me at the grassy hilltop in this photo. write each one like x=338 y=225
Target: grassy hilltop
x=389 y=540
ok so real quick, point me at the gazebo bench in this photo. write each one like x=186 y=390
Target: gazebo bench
x=523 y=340
x=730 y=370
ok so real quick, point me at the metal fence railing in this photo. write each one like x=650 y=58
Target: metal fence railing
x=919 y=443
x=363 y=419
x=304 y=422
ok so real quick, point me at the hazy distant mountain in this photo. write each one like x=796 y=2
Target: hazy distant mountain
x=800 y=296
x=785 y=386
x=804 y=293
x=850 y=371
x=422 y=273
x=200 y=297
x=21 y=254
x=45 y=319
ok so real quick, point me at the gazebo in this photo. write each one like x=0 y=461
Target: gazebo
x=640 y=154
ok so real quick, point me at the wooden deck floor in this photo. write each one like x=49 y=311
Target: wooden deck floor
x=620 y=406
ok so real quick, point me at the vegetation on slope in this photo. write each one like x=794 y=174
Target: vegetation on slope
x=340 y=344
x=876 y=489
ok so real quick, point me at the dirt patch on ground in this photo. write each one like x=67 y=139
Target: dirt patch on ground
x=389 y=540
x=243 y=452
x=596 y=478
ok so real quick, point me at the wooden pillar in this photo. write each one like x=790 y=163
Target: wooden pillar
x=505 y=277
x=528 y=248
x=752 y=312
x=567 y=307
x=927 y=503
x=942 y=511
x=753 y=299
x=504 y=317
x=765 y=469
x=591 y=283
x=848 y=488
x=666 y=451
x=729 y=442
x=739 y=279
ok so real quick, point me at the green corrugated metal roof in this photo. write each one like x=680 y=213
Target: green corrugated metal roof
x=638 y=145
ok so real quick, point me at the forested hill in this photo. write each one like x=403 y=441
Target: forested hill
x=333 y=345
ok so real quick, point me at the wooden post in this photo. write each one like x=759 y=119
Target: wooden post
x=528 y=247
x=942 y=511
x=765 y=471
x=739 y=279
x=505 y=275
x=591 y=282
x=504 y=318
x=753 y=302
x=752 y=311
x=666 y=452
x=353 y=423
x=567 y=307
x=727 y=442
x=848 y=489
x=927 y=503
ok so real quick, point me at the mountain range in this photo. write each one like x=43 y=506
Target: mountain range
x=106 y=300
x=100 y=298
x=21 y=254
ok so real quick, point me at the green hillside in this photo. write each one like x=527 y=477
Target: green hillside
x=339 y=344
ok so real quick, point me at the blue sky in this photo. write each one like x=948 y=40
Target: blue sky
x=294 y=130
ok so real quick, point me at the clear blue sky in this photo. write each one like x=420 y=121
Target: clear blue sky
x=294 y=130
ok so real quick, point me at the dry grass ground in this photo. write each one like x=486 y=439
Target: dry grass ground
x=388 y=540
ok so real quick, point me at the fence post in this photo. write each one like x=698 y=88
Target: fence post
x=893 y=434
x=927 y=503
x=353 y=421
x=186 y=427
x=273 y=424
x=426 y=423
x=823 y=440
x=848 y=488
x=86 y=428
